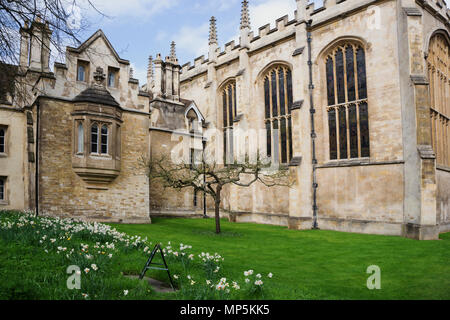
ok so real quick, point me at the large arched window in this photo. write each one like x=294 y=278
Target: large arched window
x=2 y=140
x=348 y=117
x=438 y=62
x=229 y=114
x=278 y=104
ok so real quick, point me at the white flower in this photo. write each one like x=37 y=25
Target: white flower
x=175 y=276
x=270 y=275
x=258 y=276
x=125 y=292
x=258 y=283
x=247 y=280
x=192 y=282
x=94 y=267
x=85 y=295
x=87 y=270
x=189 y=277
x=208 y=282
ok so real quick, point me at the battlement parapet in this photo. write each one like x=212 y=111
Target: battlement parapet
x=285 y=28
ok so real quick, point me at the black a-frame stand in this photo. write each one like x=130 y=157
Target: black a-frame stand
x=149 y=264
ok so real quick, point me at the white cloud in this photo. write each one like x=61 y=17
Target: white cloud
x=193 y=40
x=268 y=11
x=133 y=8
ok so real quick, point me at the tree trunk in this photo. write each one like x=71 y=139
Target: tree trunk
x=217 y=208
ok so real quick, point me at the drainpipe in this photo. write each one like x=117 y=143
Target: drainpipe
x=313 y=130
x=36 y=178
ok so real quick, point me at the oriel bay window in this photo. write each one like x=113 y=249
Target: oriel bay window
x=348 y=118
x=278 y=104
x=229 y=114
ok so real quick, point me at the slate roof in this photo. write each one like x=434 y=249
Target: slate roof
x=97 y=94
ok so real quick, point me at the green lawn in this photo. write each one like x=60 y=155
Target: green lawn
x=316 y=264
x=36 y=252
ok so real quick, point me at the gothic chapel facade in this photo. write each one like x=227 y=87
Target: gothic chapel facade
x=353 y=97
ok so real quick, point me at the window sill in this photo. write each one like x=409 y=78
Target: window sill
x=3 y=155
x=99 y=156
x=4 y=203
x=357 y=162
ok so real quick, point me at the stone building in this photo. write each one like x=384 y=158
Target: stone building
x=353 y=97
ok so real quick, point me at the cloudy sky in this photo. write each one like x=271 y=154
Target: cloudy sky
x=139 y=28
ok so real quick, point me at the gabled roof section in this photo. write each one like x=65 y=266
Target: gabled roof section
x=95 y=36
x=190 y=105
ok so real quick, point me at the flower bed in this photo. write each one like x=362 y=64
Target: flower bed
x=100 y=256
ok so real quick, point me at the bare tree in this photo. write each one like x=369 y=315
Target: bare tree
x=63 y=17
x=211 y=178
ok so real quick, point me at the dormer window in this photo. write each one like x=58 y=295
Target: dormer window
x=82 y=71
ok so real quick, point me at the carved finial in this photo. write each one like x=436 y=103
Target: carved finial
x=150 y=72
x=173 y=53
x=99 y=76
x=131 y=73
x=212 y=31
x=245 y=16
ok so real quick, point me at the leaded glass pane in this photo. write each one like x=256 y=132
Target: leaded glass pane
x=364 y=129
x=94 y=139
x=283 y=140
x=2 y=140
x=340 y=76
x=353 y=126
x=333 y=140
x=351 y=93
x=281 y=90
x=362 y=88
x=289 y=90
x=330 y=82
x=269 y=138
x=274 y=94
x=343 y=133
x=104 y=140
x=267 y=97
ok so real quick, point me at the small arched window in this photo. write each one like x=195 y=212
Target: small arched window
x=80 y=130
x=438 y=62
x=229 y=114
x=278 y=104
x=2 y=140
x=94 y=138
x=104 y=142
x=348 y=118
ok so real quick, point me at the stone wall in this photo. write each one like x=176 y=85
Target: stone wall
x=14 y=163
x=63 y=192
